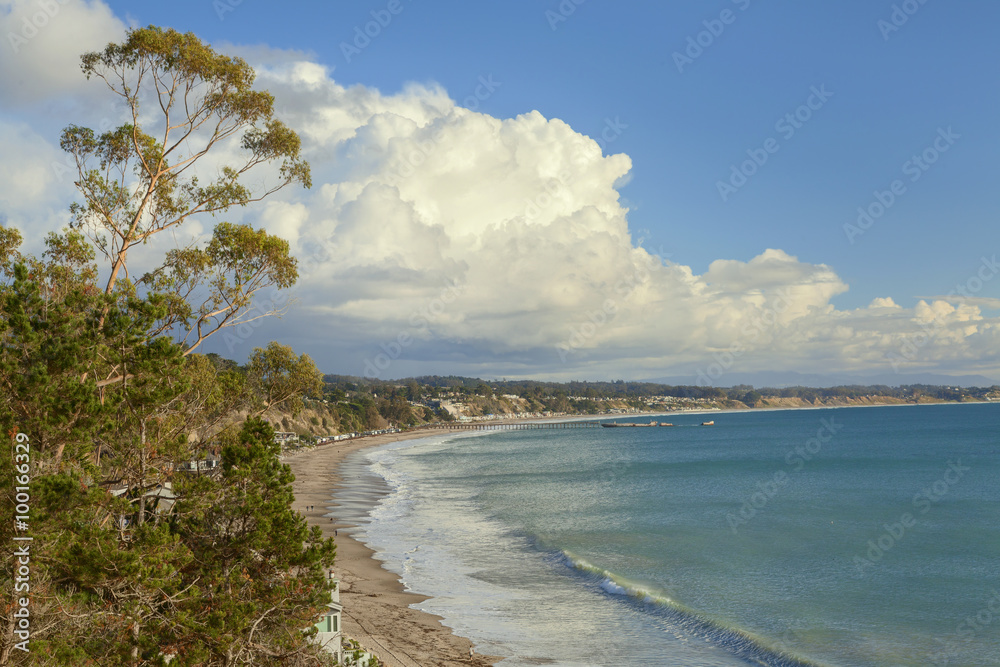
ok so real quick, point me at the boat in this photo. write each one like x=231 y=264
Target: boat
x=711 y=423
x=665 y=424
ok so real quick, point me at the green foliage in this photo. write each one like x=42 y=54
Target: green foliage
x=133 y=561
x=396 y=410
x=47 y=344
x=10 y=241
x=231 y=576
x=237 y=263
x=278 y=378
x=245 y=545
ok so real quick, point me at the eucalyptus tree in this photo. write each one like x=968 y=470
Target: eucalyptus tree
x=278 y=379
x=188 y=104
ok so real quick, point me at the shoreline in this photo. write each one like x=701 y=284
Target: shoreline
x=377 y=611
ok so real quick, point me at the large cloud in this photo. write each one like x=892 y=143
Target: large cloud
x=440 y=239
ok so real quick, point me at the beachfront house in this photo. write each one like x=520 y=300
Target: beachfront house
x=330 y=635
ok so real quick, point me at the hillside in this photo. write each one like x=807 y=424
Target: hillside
x=353 y=405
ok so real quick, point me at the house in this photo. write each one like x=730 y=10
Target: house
x=282 y=437
x=165 y=497
x=163 y=502
x=209 y=465
x=330 y=635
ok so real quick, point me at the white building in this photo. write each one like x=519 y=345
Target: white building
x=330 y=635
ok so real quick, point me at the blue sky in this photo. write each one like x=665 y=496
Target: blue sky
x=614 y=61
x=890 y=92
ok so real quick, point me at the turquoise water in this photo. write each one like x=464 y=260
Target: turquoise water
x=853 y=536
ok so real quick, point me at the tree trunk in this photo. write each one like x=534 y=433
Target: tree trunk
x=142 y=472
x=135 y=644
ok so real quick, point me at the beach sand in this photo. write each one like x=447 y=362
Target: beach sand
x=377 y=609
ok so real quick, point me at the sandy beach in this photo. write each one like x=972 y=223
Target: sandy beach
x=377 y=609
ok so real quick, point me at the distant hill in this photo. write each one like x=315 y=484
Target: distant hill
x=779 y=379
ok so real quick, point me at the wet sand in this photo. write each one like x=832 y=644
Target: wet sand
x=377 y=609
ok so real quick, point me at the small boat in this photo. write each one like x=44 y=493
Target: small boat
x=665 y=424
x=711 y=423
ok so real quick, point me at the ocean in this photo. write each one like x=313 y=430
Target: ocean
x=847 y=536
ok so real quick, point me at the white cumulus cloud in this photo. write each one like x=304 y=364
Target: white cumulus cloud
x=503 y=246
x=438 y=239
